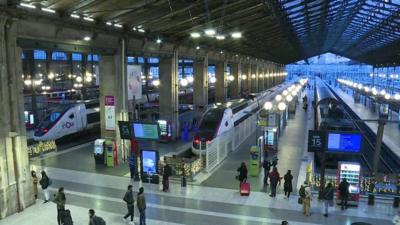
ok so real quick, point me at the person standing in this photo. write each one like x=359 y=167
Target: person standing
x=267 y=168
x=307 y=201
x=344 y=193
x=167 y=172
x=35 y=181
x=328 y=198
x=128 y=198
x=287 y=185
x=242 y=172
x=274 y=179
x=45 y=183
x=141 y=204
x=60 y=201
x=132 y=165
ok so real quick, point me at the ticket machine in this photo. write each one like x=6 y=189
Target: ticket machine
x=110 y=152
x=99 y=145
x=255 y=156
x=351 y=171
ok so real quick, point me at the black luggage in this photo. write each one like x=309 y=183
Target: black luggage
x=66 y=217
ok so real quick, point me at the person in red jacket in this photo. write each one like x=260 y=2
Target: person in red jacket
x=274 y=179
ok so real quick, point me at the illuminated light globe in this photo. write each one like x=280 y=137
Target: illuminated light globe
x=213 y=80
x=281 y=106
x=88 y=78
x=190 y=79
x=278 y=98
x=183 y=82
x=289 y=98
x=366 y=89
x=231 y=78
x=28 y=82
x=244 y=77
x=383 y=92
x=79 y=79
x=253 y=76
x=360 y=86
x=294 y=93
x=156 y=83
x=268 y=105
x=387 y=96
x=397 y=96
x=374 y=92
x=285 y=92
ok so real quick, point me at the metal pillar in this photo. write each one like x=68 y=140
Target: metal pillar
x=378 y=146
x=221 y=85
x=236 y=83
x=200 y=86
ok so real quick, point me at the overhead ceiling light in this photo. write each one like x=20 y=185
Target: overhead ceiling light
x=48 y=10
x=141 y=30
x=27 y=5
x=109 y=23
x=76 y=16
x=184 y=82
x=134 y=28
x=117 y=25
x=397 y=96
x=222 y=52
x=236 y=35
x=87 y=18
x=87 y=38
x=197 y=47
x=268 y=105
x=387 y=96
x=158 y=41
x=213 y=80
x=195 y=34
x=190 y=79
x=210 y=32
x=281 y=106
x=244 y=77
x=220 y=37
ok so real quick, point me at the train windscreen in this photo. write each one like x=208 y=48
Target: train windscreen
x=50 y=120
x=211 y=120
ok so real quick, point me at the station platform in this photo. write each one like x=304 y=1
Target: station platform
x=391 y=132
x=191 y=205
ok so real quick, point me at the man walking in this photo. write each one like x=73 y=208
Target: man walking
x=128 y=198
x=167 y=172
x=45 y=183
x=344 y=193
x=141 y=204
x=274 y=179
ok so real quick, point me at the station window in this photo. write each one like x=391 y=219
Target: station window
x=39 y=54
x=59 y=56
x=140 y=59
x=155 y=71
x=76 y=57
x=188 y=71
x=94 y=57
x=131 y=59
x=22 y=56
x=211 y=70
x=154 y=60
x=188 y=61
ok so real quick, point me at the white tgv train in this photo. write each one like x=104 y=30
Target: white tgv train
x=220 y=118
x=65 y=120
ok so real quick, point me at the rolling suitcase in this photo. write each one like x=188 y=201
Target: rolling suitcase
x=244 y=188
x=66 y=217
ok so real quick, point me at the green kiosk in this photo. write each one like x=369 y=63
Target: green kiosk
x=254 y=161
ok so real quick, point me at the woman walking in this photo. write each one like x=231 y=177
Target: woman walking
x=35 y=181
x=60 y=201
x=287 y=185
x=242 y=172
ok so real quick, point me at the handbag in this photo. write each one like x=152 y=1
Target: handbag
x=300 y=200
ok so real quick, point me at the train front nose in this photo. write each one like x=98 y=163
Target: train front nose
x=39 y=132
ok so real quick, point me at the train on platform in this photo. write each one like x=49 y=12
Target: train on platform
x=219 y=118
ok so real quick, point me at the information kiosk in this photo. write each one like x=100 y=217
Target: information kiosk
x=351 y=171
x=254 y=161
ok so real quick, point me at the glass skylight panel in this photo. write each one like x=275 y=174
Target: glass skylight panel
x=291 y=3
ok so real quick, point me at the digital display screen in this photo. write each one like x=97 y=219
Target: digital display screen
x=344 y=142
x=148 y=131
x=149 y=161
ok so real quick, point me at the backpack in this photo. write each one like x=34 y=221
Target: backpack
x=302 y=191
x=99 y=221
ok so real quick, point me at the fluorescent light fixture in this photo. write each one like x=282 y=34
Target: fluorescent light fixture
x=158 y=41
x=27 y=5
x=109 y=23
x=213 y=80
x=236 y=35
x=210 y=32
x=48 y=10
x=134 y=29
x=76 y=16
x=156 y=83
x=87 y=38
x=118 y=25
x=220 y=37
x=90 y=19
x=195 y=35
x=222 y=52
x=183 y=83
x=268 y=105
x=141 y=30
x=197 y=47
x=281 y=106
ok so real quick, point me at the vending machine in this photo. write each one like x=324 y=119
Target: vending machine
x=254 y=161
x=351 y=171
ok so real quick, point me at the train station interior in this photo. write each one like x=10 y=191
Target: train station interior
x=222 y=112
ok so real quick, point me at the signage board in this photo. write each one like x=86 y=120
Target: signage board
x=125 y=130
x=272 y=120
x=316 y=140
x=134 y=82
x=149 y=161
x=344 y=142
x=109 y=110
x=146 y=131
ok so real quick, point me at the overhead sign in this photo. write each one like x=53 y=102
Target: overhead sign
x=146 y=131
x=316 y=140
x=343 y=142
x=134 y=82
x=125 y=129
x=109 y=110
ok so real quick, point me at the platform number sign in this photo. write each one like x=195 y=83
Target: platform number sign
x=316 y=140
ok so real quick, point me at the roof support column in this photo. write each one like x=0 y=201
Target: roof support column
x=260 y=78
x=254 y=78
x=236 y=84
x=15 y=179
x=200 y=86
x=221 y=85
x=244 y=74
x=169 y=91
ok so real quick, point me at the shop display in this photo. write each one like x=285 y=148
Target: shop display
x=42 y=147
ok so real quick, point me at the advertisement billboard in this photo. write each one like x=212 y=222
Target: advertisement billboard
x=146 y=131
x=134 y=82
x=149 y=161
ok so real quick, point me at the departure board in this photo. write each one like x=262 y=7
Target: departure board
x=146 y=131
x=344 y=142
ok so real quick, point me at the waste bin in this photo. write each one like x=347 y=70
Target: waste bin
x=371 y=199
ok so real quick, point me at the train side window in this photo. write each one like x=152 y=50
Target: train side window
x=71 y=116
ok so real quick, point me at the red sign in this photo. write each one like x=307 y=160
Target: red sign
x=109 y=100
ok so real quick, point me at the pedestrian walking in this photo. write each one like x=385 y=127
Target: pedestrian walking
x=328 y=198
x=128 y=198
x=267 y=168
x=141 y=204
x=45 y=183
x=307 y=201
x=242 y=172
x=94 y=219
x=167 y=172
x=287 y=185
x=274 y=179
x=344 y=193
x=60 y=201
x=35 y=181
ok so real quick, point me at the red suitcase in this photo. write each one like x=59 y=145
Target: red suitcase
x=244 y=188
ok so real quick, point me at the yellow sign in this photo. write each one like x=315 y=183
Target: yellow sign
x=262 y=123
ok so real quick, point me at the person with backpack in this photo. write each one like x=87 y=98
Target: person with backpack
x=328 y=198
x=274 y=179
x=128 y=198
x=141 y=204
x=287 y=184
x=167 y=172
x=45 y=182
x=60 y=201
x=344 y=193
x=95 y=220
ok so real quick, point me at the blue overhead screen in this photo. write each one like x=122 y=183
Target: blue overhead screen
x=344 y=142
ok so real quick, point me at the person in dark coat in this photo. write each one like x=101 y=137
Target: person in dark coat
x=167 y=172
x=141 y=204
x=128 y=199
x=328 y=198
x=94 y=219
x=60 y=201
x=274 y=179
x=35 y=183
x=132 y=165
x=344 y=193
x=242 y=172
x=267 y=168
x=287 y=184
x=45 y=183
